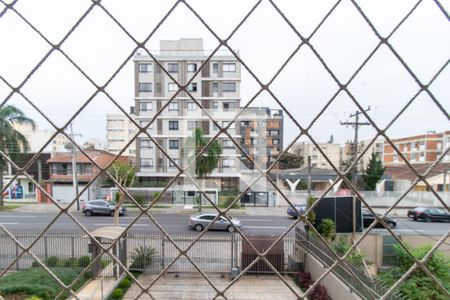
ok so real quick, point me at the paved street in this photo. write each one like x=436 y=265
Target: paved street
x=177 y=223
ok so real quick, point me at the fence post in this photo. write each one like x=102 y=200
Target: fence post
x=45 y=247
x=232 y=251
x=72 y=247
x=162 y=251
x=17 y=255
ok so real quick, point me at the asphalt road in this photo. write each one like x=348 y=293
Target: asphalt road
x=177 y=223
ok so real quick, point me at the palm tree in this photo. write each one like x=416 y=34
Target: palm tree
x=11 y=140
x=207 y=161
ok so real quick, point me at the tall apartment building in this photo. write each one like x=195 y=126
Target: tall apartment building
x=261 y=130
x=332 y=151
x=119 y=131
x=376 y=147
x=419 y=149
x=216 y=87
x=38 y=137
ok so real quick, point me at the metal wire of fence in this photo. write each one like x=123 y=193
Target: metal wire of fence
x=27 y=248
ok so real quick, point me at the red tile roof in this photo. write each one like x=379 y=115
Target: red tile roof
x=101 y=157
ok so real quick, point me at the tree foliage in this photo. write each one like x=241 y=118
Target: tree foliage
x=290 y=161
x=373 y=173
x=419 y=285
x=11 y=140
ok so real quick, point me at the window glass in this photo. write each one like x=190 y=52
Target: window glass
x=145 y=87
x=145 y=68
x=191 y=106
x=191 y=67
x=174 y=144
x=229 y=67
x=173 y=125
x=145 y=106
x=172 y=87
x=173 y=106
x=215 y=68
x=172 y=67
x=229 y=87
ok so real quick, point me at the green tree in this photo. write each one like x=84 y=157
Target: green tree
x=290 y=161
x=125 y=175
x=207 y=161
x=12 y=141
x=373 y=173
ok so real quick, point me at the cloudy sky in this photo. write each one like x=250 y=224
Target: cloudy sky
x=265 y=41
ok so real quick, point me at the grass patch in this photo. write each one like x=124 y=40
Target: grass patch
x=8 y=207
x=37 y=282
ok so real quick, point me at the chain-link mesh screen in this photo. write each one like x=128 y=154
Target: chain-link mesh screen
x=99 y=86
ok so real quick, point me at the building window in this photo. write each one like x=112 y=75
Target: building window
x=215 y=106
x=173 y=106
x=229 y=106
x=275 y=141
x=173 y=125
x=229 y=87
x=172 y=67
x=145 y=106
x=314 y=157
x=145 y=68
x=147 y=162
x=253 y=141
x=146 y=143
x=228 y=163
x=228 y=144
x=192 y=87
x=215 y=68
x=174 y=144
x=191 y=67
x=172 y=87
x=225 y=124
x=245 y=123
x=145 y=87
x=275 y=133
x=191 y=106
x=229 y=67
x=215 y=87
x=191 y=125
x=172 y=165
x=413 y=156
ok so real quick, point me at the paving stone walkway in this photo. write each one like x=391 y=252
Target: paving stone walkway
x=247 y=288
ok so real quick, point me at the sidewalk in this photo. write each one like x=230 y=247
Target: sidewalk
x=96 y=289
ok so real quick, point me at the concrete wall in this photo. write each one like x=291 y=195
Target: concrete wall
x=336 y=289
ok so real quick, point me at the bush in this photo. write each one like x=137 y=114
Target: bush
x=52 y=261
x=87 y=275
x=117 y=294
x=342 y=246
x=38 y=290
x=319 y=293
x=84 y=261
x=70 y=263
x=33 y=298
x=228 y=200
x=142 y=257
x=304 y=279
x=125 y=283
x=327 y=229
x=35 y=264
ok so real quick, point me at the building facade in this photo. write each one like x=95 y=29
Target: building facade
x=37 y=138
x=261 y=130
x=216 y=87
x=419 y=149
x=332 y=151
x=119 y=131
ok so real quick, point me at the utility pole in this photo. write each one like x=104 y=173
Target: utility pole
x=74 y=167
x=309 y=175
x=356 y=126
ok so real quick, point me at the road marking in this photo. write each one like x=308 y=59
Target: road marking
x=256 y=220
x=9 y=223
x=265 y=227
x=9 y=216
x=109 y=224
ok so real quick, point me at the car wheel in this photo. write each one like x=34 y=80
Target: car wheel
x=111 y=213
x=415 y=218
x=198 y=227
x=427 y=219
x=230 y=229
x=391 y=225
x=88 y=213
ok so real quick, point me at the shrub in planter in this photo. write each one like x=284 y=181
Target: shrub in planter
x=33 y=298
x=319 y=293
x=304 y=279
x=87 y=275
x=125 y=283
x=142 y=257
x=38 y=290
x=52 y=261
x=117 y=294
x=84 y=261
x=69 y=263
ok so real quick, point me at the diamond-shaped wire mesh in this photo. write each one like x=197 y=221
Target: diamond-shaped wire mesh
x=339 y=261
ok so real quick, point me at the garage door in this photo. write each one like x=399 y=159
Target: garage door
x=65 y=193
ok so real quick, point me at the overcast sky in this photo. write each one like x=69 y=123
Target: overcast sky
x=264 y=42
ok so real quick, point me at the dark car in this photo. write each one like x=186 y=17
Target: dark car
x=429 y=214
x=368 y=218
x=101 y=207
x=298 y=208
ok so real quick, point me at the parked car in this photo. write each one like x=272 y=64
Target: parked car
x=298 y=208
x=101 y=207
x=429 y=214
x=200 y=221
x=369 y=218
